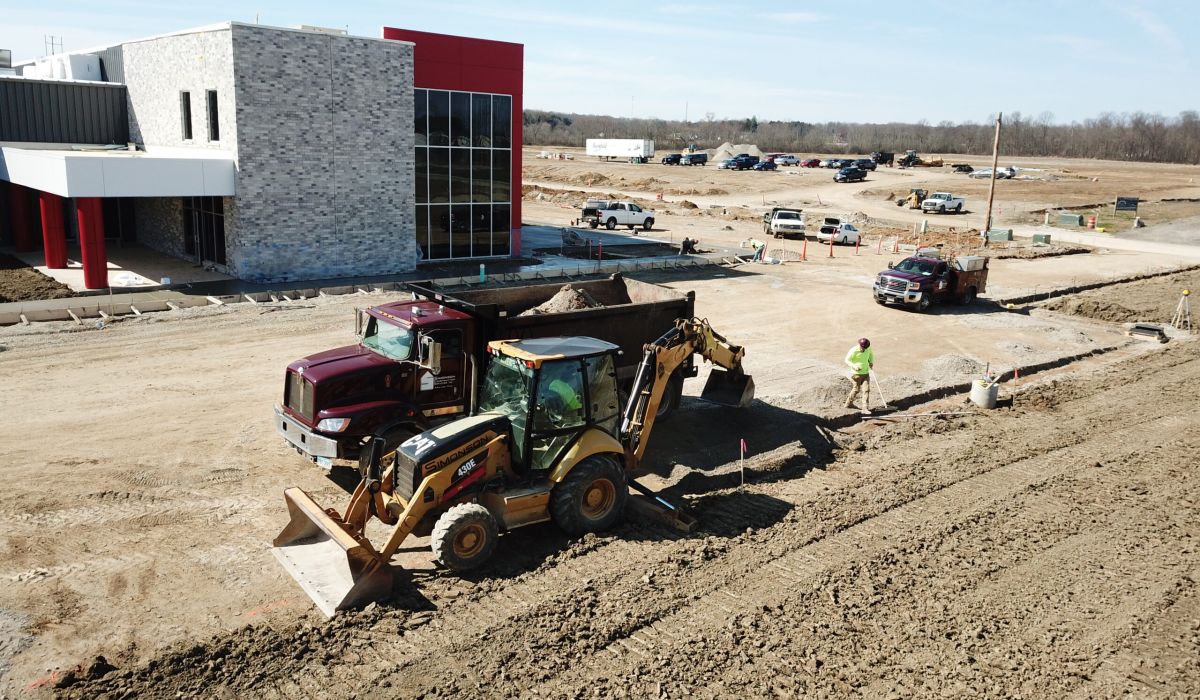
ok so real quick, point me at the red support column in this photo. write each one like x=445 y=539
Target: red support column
x=22 y=226
x=91 y=242
x=54 y=236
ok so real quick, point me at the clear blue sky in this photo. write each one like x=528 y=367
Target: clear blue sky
x=877 y=61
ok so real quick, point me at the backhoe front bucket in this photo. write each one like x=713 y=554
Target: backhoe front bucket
x=335 y=569
x=728 y=388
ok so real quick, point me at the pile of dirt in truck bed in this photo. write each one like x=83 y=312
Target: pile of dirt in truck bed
x=567 y=299
x=1150 y=300
x=20 y=282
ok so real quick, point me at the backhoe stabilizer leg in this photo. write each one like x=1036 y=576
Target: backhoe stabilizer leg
x=658 y=508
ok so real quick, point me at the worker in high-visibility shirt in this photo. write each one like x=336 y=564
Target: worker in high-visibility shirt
x=860 y=360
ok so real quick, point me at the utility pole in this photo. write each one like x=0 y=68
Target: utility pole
x=987 y=224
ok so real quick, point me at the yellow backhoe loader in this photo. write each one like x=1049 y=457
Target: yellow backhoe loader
x=550 y=441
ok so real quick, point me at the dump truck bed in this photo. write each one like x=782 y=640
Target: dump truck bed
x=632 y=314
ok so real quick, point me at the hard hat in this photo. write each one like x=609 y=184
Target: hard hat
x=864 y=343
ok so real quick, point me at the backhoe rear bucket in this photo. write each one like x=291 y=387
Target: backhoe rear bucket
x=336 y=570
x=728 y=388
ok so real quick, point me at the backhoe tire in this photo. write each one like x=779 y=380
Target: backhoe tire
x=464 y=537
x=610 y=224
x=592 y=496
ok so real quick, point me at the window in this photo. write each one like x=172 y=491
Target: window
x=204 y=228
x=463 y=174
x=214 y=130
x=185 y=114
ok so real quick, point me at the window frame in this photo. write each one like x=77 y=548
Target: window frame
x=214 y=116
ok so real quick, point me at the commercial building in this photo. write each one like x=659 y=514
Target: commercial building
x=271 y=154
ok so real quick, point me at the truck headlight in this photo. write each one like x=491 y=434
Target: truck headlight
x=333 y=425
x=914 y=286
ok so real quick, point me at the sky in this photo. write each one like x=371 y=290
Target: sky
x=805 y=60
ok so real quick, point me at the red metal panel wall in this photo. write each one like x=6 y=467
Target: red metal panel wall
x=445 y=62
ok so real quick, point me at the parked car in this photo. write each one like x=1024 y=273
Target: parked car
x=786 y=159
x=850 y=175
x=962 y=168
x=672 y=159
x=726 y=164
x=810 y=163
x=744 y=161
x=766 y=165
x=826 y=162
x=843 y=234
x=864 y=164
x=694 y=159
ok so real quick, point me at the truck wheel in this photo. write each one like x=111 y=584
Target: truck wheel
x=942 y=209
x=464 y=537
x=592 y=496
x=671 y=397
x=968 y=297
x=924 y=304
x=594 y=224
x=610 y=224
x=647 y=224
x=958 y=209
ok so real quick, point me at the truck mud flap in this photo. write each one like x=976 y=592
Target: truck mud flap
x=728 y=388
x=334 y=569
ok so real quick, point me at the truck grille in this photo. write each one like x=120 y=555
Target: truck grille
x=300 y=395
x=892 y=284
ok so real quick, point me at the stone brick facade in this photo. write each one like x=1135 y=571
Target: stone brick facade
x=325 y=165
x=322 y=129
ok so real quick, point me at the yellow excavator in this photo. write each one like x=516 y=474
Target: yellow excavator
x=549 y=441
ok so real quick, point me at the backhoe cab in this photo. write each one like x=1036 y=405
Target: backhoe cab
x=550 y=441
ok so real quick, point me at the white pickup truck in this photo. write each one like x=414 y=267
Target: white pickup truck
x=942 y=202
x=784 y=223
x=614 y=214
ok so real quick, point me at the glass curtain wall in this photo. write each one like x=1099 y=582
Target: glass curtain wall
x=464 y=173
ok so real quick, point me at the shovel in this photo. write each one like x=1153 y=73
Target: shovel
x=885 y=408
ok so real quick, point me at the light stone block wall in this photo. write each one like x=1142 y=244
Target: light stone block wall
x=325 y=156
x=159 y=222
x=158 y=70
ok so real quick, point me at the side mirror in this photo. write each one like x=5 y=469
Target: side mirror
x=431 y=354
x=891 y=265
x=358 y=323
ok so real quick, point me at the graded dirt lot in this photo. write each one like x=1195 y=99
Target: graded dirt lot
x=1047 y=548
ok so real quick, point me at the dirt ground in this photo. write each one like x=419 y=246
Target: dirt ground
x=1045 y=548
x=19 y=282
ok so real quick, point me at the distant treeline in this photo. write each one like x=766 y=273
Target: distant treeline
x=1135 y=137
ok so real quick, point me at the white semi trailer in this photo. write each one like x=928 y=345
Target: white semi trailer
x=634 y=149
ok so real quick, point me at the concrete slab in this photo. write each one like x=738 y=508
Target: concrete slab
x=129 y=267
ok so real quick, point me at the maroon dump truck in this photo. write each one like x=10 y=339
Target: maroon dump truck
x=919 y=281
x=418 y=361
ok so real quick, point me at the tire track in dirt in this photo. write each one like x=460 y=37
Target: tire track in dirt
x=805 y=567
x=466 y=632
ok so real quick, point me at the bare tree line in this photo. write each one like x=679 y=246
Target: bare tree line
x=1134 y=137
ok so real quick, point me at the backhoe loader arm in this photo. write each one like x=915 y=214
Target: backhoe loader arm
x=660 y=360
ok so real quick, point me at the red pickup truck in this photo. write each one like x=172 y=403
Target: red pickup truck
x=919 y=281
x=418 y=362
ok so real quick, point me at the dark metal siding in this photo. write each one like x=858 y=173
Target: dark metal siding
x=52 y=111
x=112 y=64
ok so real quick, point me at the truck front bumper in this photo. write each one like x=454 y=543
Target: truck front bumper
x=889 y=296
x=318 y=448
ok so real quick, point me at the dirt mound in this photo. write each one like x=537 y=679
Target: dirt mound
x=20 y=282
x=953 y=367
x=567 y=299
x=590 y=179
x=1098 y=309
x=688 y=205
